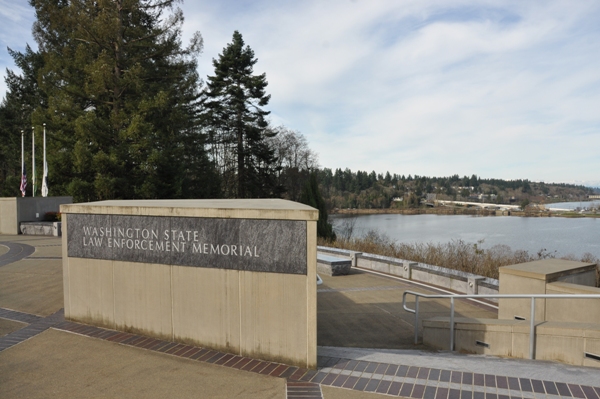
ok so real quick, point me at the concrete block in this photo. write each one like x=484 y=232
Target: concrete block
x=508 y=308
x=472 y=335
x=90 y=293
x=380 y=267
x=57 y=229
x=37 y=228
x=408 y=269
x=520 y=342
x=332 y=266
x=398 y=271
x=263 y=311
x=430 y=278
x=9 y=221
x=143 y=299
x=487 y=342
x=311 y=296
x=572 y=309
x=483 y=290
x=592 y=349
x=560 y=348
x=354 y=257
x=436 y=333
x=363 y=262
x=548 y=270
x=206 y=307
x=269 y=304
x=66 y=275
x=585 y=277
x=458 y=285
x=592 y=331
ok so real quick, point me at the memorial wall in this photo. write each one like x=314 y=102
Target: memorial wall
x=233 y=275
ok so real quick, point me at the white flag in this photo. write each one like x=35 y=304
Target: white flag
x=45 y=181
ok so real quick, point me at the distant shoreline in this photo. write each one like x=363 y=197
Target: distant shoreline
x=460 y=211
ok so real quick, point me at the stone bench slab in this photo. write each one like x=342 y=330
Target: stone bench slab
x=41 y=228
x=332 y=265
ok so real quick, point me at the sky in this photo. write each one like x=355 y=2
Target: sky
x=501 y=89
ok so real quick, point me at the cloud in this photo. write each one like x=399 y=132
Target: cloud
x=16 y=19
x=506 y=89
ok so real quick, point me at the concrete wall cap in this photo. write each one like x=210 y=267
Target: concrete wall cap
x=332 y=260
x=338 y=251
x=559 y=287
x=547 y=269
x=270 y=208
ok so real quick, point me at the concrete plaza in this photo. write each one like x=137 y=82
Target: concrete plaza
x=364 y=337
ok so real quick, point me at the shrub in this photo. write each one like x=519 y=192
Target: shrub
x=52 y=217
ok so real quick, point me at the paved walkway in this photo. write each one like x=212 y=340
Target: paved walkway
x=343 y=371
x=16 y=251
x=394 y=377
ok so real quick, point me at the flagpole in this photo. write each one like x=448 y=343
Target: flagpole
x=22 y=160
x=45 y=176
x=33 y=160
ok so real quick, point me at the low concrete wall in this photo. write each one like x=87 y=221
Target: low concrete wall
x=172 y=283
x=422 y=272
x=575 y=310
x=15 y=210
x=570 y=343
x=548 y=276
x=9 y=223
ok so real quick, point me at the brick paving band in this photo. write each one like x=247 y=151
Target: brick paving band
x=36 y=325
x=16 y=252
x=382 y=378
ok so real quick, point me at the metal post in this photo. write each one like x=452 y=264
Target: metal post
x=416 y=319
x=22 y=163
x=33 y=161
x=532 y=330
x=45 y=172
x=451 y=323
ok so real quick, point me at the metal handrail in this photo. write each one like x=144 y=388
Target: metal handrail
x=465 y=296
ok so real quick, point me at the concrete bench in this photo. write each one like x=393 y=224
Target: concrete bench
x=332 y=265
x=41 y=228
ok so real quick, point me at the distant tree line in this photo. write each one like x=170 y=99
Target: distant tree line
x=364 y=190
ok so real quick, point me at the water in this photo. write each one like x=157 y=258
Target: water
x=575 y=205
x=566 y=236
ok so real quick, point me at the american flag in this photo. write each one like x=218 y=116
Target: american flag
x=23 y=181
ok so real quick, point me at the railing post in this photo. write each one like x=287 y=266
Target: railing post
x=532 y=330
x=451 y=324
x=416 y=319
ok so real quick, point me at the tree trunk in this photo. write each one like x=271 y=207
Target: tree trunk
x=240 y=159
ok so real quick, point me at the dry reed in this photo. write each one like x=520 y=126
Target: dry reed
x=456 y=254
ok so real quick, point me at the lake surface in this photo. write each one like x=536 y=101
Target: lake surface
x=575 y=205
x=564 y=235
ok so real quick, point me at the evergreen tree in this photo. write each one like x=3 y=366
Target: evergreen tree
x=15 y=115
x=235 y=119
x=122 y=110
x=311 y=195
